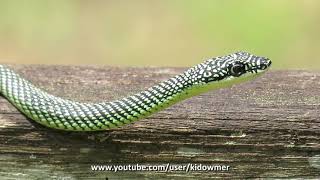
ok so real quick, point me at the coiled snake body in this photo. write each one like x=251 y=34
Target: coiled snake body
x=58 y=113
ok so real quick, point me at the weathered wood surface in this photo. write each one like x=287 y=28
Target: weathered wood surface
x=269 y=127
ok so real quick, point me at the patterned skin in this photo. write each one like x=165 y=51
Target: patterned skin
x=55 y=112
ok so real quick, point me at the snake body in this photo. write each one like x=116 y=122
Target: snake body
x=58 y=113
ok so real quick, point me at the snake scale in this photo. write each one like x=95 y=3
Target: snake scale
x=58 y=113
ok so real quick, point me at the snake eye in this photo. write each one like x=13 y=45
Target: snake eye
x=237 y=70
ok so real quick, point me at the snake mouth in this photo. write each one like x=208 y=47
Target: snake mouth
x=256 y=70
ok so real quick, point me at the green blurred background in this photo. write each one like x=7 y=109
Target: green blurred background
x=158 y=32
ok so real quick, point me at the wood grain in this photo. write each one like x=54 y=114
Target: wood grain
x=269 y=127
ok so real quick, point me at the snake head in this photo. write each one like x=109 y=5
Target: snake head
x=244 y=62
x=238 y=66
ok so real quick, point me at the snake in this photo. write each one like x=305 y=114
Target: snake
x=64 y=114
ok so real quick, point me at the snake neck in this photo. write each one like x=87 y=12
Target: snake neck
x=154 y=98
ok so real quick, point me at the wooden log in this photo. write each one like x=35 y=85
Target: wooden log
x=268 y=127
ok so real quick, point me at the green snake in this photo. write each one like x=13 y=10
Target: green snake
x=58 y=113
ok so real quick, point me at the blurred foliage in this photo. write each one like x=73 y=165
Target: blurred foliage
x=158 y=33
